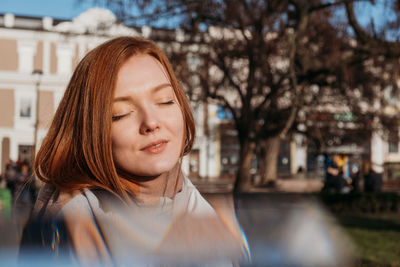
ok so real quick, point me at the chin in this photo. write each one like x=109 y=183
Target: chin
x=163 y=167
x=153 y=169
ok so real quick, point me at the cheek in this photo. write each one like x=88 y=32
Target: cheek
x=120 y=145
x=182 y=137
x=116 y=145
x=120 y=137
x=179 y=125
x=116 y=137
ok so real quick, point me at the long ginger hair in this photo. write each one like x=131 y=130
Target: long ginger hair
x=77 y=152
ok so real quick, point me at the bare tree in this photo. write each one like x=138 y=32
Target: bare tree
x=264 y=60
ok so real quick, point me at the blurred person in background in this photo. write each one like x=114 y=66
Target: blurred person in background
x=373 y=181
x=344 y=174
x=356 y=175
x=9 y=174
x=20 y=183
x=331 y=174
x=114 y=192
x=334 y=181
x=22 y=180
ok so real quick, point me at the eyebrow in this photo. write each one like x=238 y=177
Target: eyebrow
x=152 y=91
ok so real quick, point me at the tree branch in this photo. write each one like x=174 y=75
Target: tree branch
x=373 y=45
x=222 y=66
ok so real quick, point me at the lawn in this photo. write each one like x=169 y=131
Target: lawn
x=376 y=238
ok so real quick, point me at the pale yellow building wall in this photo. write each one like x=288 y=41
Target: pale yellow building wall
x=7 y=108
x=46 y=109
x=9 y=55
x=53 y=58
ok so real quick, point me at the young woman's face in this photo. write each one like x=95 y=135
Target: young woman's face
x=147 y=129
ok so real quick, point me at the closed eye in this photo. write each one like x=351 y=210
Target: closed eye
x=168 y=102
x=118 y=117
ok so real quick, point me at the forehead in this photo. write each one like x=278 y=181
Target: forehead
x=139 y=73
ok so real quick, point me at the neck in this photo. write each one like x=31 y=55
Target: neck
x=150 y=190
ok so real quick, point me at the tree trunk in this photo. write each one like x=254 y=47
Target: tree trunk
x=271 y=151
x=243 y=177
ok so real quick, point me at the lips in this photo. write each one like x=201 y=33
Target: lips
x=155 y=147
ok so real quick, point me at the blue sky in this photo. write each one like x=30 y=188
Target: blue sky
x=63 y=9
x=68 y=9
x=59 y=9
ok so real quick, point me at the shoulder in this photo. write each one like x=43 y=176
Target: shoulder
x=79 y=213
x=196 y=203
x=53 y=203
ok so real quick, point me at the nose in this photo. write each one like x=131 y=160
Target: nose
x=149 y=123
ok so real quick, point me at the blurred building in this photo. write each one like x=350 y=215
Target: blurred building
x=368 y=134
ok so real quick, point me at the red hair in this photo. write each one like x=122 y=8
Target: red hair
x=77 y=151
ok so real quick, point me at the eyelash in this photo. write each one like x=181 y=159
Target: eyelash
x=168 y=102
x=118 y=117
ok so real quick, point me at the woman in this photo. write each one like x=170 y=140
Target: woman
x=111 y=163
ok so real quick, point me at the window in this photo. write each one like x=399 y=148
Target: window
x=224 y=113
x=26 y=52
x=393 y=147
x=65 y=53
x=25 y=107
x=394 y=142
x=25 y=153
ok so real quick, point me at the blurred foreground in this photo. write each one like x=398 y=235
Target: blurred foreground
x=278 y=230
x=289 y=224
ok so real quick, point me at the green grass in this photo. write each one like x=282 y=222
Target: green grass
x=5 y=204
x=376 y=238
